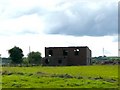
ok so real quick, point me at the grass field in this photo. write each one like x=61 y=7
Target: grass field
x=96 y=76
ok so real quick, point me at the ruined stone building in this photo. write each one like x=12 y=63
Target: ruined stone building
x=67 y=56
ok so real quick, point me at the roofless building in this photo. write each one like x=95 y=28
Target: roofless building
x=67 y=56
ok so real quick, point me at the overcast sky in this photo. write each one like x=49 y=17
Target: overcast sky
x=51 y=23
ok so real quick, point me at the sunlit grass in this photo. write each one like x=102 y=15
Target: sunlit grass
x=97 y=76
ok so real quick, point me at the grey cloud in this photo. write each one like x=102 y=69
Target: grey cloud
x=83 y=21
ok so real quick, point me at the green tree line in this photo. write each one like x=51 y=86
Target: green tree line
x=17 y=56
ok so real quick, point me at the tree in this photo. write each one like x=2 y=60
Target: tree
x=34 y=58
x=25 y=61
x=16 y=55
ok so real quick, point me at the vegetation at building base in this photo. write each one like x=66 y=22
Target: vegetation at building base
x=34 y=57
x=103 y=60
x=95 y=76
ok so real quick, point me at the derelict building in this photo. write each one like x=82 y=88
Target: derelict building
x=67 y=56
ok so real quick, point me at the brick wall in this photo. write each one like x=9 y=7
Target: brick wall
x=61 y=56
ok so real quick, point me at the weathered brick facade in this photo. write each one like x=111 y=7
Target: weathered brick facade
x=67 y=56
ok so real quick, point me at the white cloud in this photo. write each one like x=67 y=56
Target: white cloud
x=29 y=23
x=16 y=8
x=24 y=23
x=39 y=42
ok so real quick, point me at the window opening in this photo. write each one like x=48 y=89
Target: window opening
x=76 y=52
x=50 y=53
x=65 y=52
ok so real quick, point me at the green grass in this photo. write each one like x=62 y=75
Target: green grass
x=97 y=76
